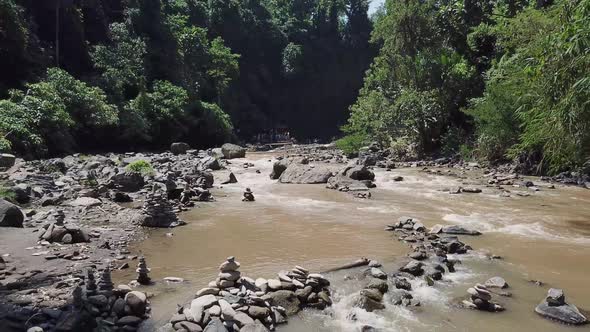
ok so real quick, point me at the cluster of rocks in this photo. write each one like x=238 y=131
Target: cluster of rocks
x=555 y=307
x=158 y=212
x=352 y=178
x=481 y=299
x=414 y=232
x=248 y=196
x=234 y=302
x=91 y=306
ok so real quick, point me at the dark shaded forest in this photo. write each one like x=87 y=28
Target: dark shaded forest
x=103 y=74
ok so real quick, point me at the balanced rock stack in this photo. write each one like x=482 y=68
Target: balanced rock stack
x=555 y=307
x=228 y=273
x=234 y=302
x=481 y=299
x=59 y=232
x=157 y=212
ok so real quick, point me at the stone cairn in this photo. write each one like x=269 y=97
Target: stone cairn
x=248 y=196
x=142 y=272
x=555 y=307
x=90 y=282
x=481 y=299
x=57 y=231
x=158 y=212
x=233 y=302
x=105 y=283
x=104 y=308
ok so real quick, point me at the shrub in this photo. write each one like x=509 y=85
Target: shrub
x=141 y=166
x=351 y=144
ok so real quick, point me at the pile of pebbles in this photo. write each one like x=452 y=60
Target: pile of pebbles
x=233 y=302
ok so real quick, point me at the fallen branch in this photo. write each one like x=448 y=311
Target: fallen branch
x=361 y=262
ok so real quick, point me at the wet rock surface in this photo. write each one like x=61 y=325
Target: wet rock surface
x=555 y=307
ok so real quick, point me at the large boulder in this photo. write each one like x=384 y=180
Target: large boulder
x=286 y=299
x=231 y=151
x=359 y=173
x=352 y=178
x=7 y=160
x=10 y=215
x=128 y=181
x=209 y=162
x=179 y=148
x=278 y=168
x=555 y=307
x=308 y=174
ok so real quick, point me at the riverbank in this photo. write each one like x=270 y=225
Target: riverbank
x=535 y=229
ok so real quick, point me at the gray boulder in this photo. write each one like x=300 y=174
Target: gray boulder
x=555 y=307
x=459 y=230
x=179 y=148
x=286 y=299
x=211 y=163
x=278 y=168
x=231 y=151
x=128 y=181
x=306 y=174
x=10 y=215
x=7 y=160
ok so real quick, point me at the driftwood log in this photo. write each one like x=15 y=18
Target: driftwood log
x=361 y=262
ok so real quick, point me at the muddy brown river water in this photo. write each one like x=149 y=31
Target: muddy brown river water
x=545 y=236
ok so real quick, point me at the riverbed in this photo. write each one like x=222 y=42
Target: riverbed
x=544 y=236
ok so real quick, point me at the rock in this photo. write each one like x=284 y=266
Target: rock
x=243 y=319
x=119 y=307
x=306 y=174
x=436 y=229
x=367 y=303
x=7 y=160
x=256 y=327
x=231 y=178
x=373 y=294
x=215 y=325
x=230 y=275
x=377 y=273
x=278 y=168
x=199 y=305
x=128 y=181
x=274 y=284
x=229 y=265
x=258 y=312
x=286 y=299
x=496 y=282
x=555 y=297
x=137 y=302
x=85 y=202
x=188 y=327
x=129 y=320
x=399 y=295
x=231 y=151
x=414 y=268
x=211 y=163
x=486 y=296
x=10 y=215
x=402 y=283
x=566 y=313
x=207 y=291
x=227 y=312
x=35 y=329
x=378 y=284
x=359 y=173
x=459 y=230
x=179 y=148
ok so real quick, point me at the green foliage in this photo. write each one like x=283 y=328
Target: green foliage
x=537 y=97
x=7 y=194
x=141 y=166
x=121 y=63
x=351 y=144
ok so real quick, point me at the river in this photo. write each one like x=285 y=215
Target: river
x=545 y=236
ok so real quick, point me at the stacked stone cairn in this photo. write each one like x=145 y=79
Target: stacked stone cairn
x=100 y=308
x=142 y=272
x=59 y=232
x=233 y=302
x=248 y=196
x=158 y=212
x=481 y=299
x=554 y=307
